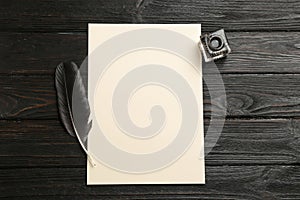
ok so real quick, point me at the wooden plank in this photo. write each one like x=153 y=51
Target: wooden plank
x=40 y=143
x=44 y=15
x=39 y=53
x=27 y=97
x=222 y=182
x=254 y=95
x=248 y=95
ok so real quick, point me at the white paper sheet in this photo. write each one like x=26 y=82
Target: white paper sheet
x=145 y=93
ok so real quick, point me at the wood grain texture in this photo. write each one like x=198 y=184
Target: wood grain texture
x=23 y=97
x=39 y=53
x=258 y=52
x=243 y=142
x=45 y=15
x=248 y=95
x=257 y=155
x=222 y=182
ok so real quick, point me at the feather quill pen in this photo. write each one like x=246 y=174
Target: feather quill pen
x=73 y=106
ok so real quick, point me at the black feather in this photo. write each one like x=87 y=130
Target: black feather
x=72 y=99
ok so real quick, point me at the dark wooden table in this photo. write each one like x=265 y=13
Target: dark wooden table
x=258 y=153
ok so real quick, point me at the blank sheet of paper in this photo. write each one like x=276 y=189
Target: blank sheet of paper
x=145 y=94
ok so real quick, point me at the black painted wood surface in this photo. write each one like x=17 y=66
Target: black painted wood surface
x=258 y=153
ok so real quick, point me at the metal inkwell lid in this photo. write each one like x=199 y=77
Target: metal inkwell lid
x=214 y=45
